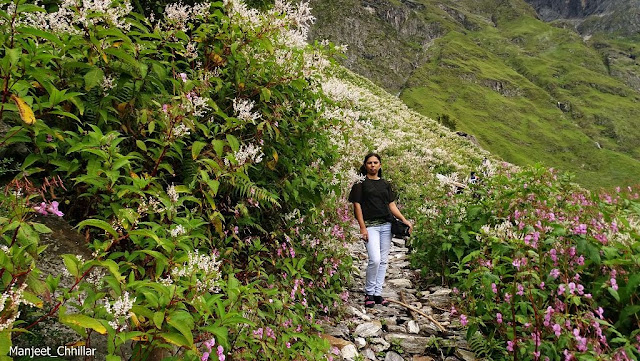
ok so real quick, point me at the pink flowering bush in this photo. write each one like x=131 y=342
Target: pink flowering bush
x=547 y=271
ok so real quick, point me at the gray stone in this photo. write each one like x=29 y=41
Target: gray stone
x=360 y=342
x=355 y=312
x=340 y=331
x=397 y=328
x=413 y=327
x=368 y=329
x=428 y=328
x=401 y=282
x=369 y=354
x=410 y=343
x=465 y=355
x=390 y=321
x=392 y=356
x=398 y=242
x=349 y=352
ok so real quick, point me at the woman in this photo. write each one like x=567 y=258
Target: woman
x=374 y=208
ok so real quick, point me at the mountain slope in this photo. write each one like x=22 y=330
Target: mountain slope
x=528 y=91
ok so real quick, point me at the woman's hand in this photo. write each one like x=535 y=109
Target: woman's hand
x=364 y=234
x=410 y=225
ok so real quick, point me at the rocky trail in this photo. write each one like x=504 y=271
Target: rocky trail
x=415 y=326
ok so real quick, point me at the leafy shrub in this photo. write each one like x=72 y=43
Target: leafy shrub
x=544 y=268
x=194 y=151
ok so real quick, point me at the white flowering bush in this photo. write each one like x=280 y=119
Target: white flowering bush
x=194 y=147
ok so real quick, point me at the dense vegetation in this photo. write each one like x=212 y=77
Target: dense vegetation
x=193 y=152
x=205 y=156
x=544 y=270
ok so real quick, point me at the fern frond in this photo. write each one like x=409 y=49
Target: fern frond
x=480 y=346
x=244 y=188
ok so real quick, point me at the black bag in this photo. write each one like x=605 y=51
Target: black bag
x=399 y=229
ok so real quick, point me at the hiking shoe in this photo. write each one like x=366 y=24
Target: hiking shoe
x=380 y=301
x=369 y=301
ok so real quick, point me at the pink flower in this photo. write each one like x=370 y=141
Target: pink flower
x=614 y=284
x=42 y=208
x=520 y=290
x=183 y=76
x=205 y=356
x=463 y=320
x=165 y=108
x=557 y=330
x=494 y=288
x=499 y=317
x=555 y=273
x=220 y=352
x=210 y=343
x=288 y=344
x=561 y=289
x=510 y=345
x=53 y=209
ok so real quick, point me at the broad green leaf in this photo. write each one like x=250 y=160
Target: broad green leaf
x=196 y=148
x=233 y=143
x=83 y=321
x=93 y=78
x=98 y=224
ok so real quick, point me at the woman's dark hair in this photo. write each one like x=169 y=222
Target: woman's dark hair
x=363 y=167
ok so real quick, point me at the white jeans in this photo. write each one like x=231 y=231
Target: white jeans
x=378 y=247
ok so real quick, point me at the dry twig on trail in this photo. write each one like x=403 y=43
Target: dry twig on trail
x=419 y=312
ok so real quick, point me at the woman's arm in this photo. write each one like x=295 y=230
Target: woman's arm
x=396 y=212
x=357 y=212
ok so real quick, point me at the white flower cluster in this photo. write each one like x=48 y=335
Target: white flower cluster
x=108 y=83
x=249 y=152
x=172 y=193
x=179 y=15
x=206 y=268
x=180 y=131
x=10 y=301
x=197 y=105
x=241 y=14
x=119 y=311
x=178 y=231
x=243 y=107
x=504 y=230
x=72 y=14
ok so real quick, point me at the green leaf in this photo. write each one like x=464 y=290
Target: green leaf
x=40 y=34
x=141 y=145
x=5 y=343
x=158 y=318
x=83 y=321
x=265 y=94
x=41 y=228
x=71 y=262
x=614 y=293
x=93 y=78
x=197 y=148
x=175 y=338
x=233 y=143
x=98 y=224
x=183 y=322
x=218 y=146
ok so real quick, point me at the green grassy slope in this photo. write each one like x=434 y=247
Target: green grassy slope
x=529 y=91
x=506 y=84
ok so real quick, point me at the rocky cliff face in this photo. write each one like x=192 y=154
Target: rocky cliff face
x=592 y=16
x=380 y=34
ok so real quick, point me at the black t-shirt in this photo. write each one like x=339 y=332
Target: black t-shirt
x=374 y=197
